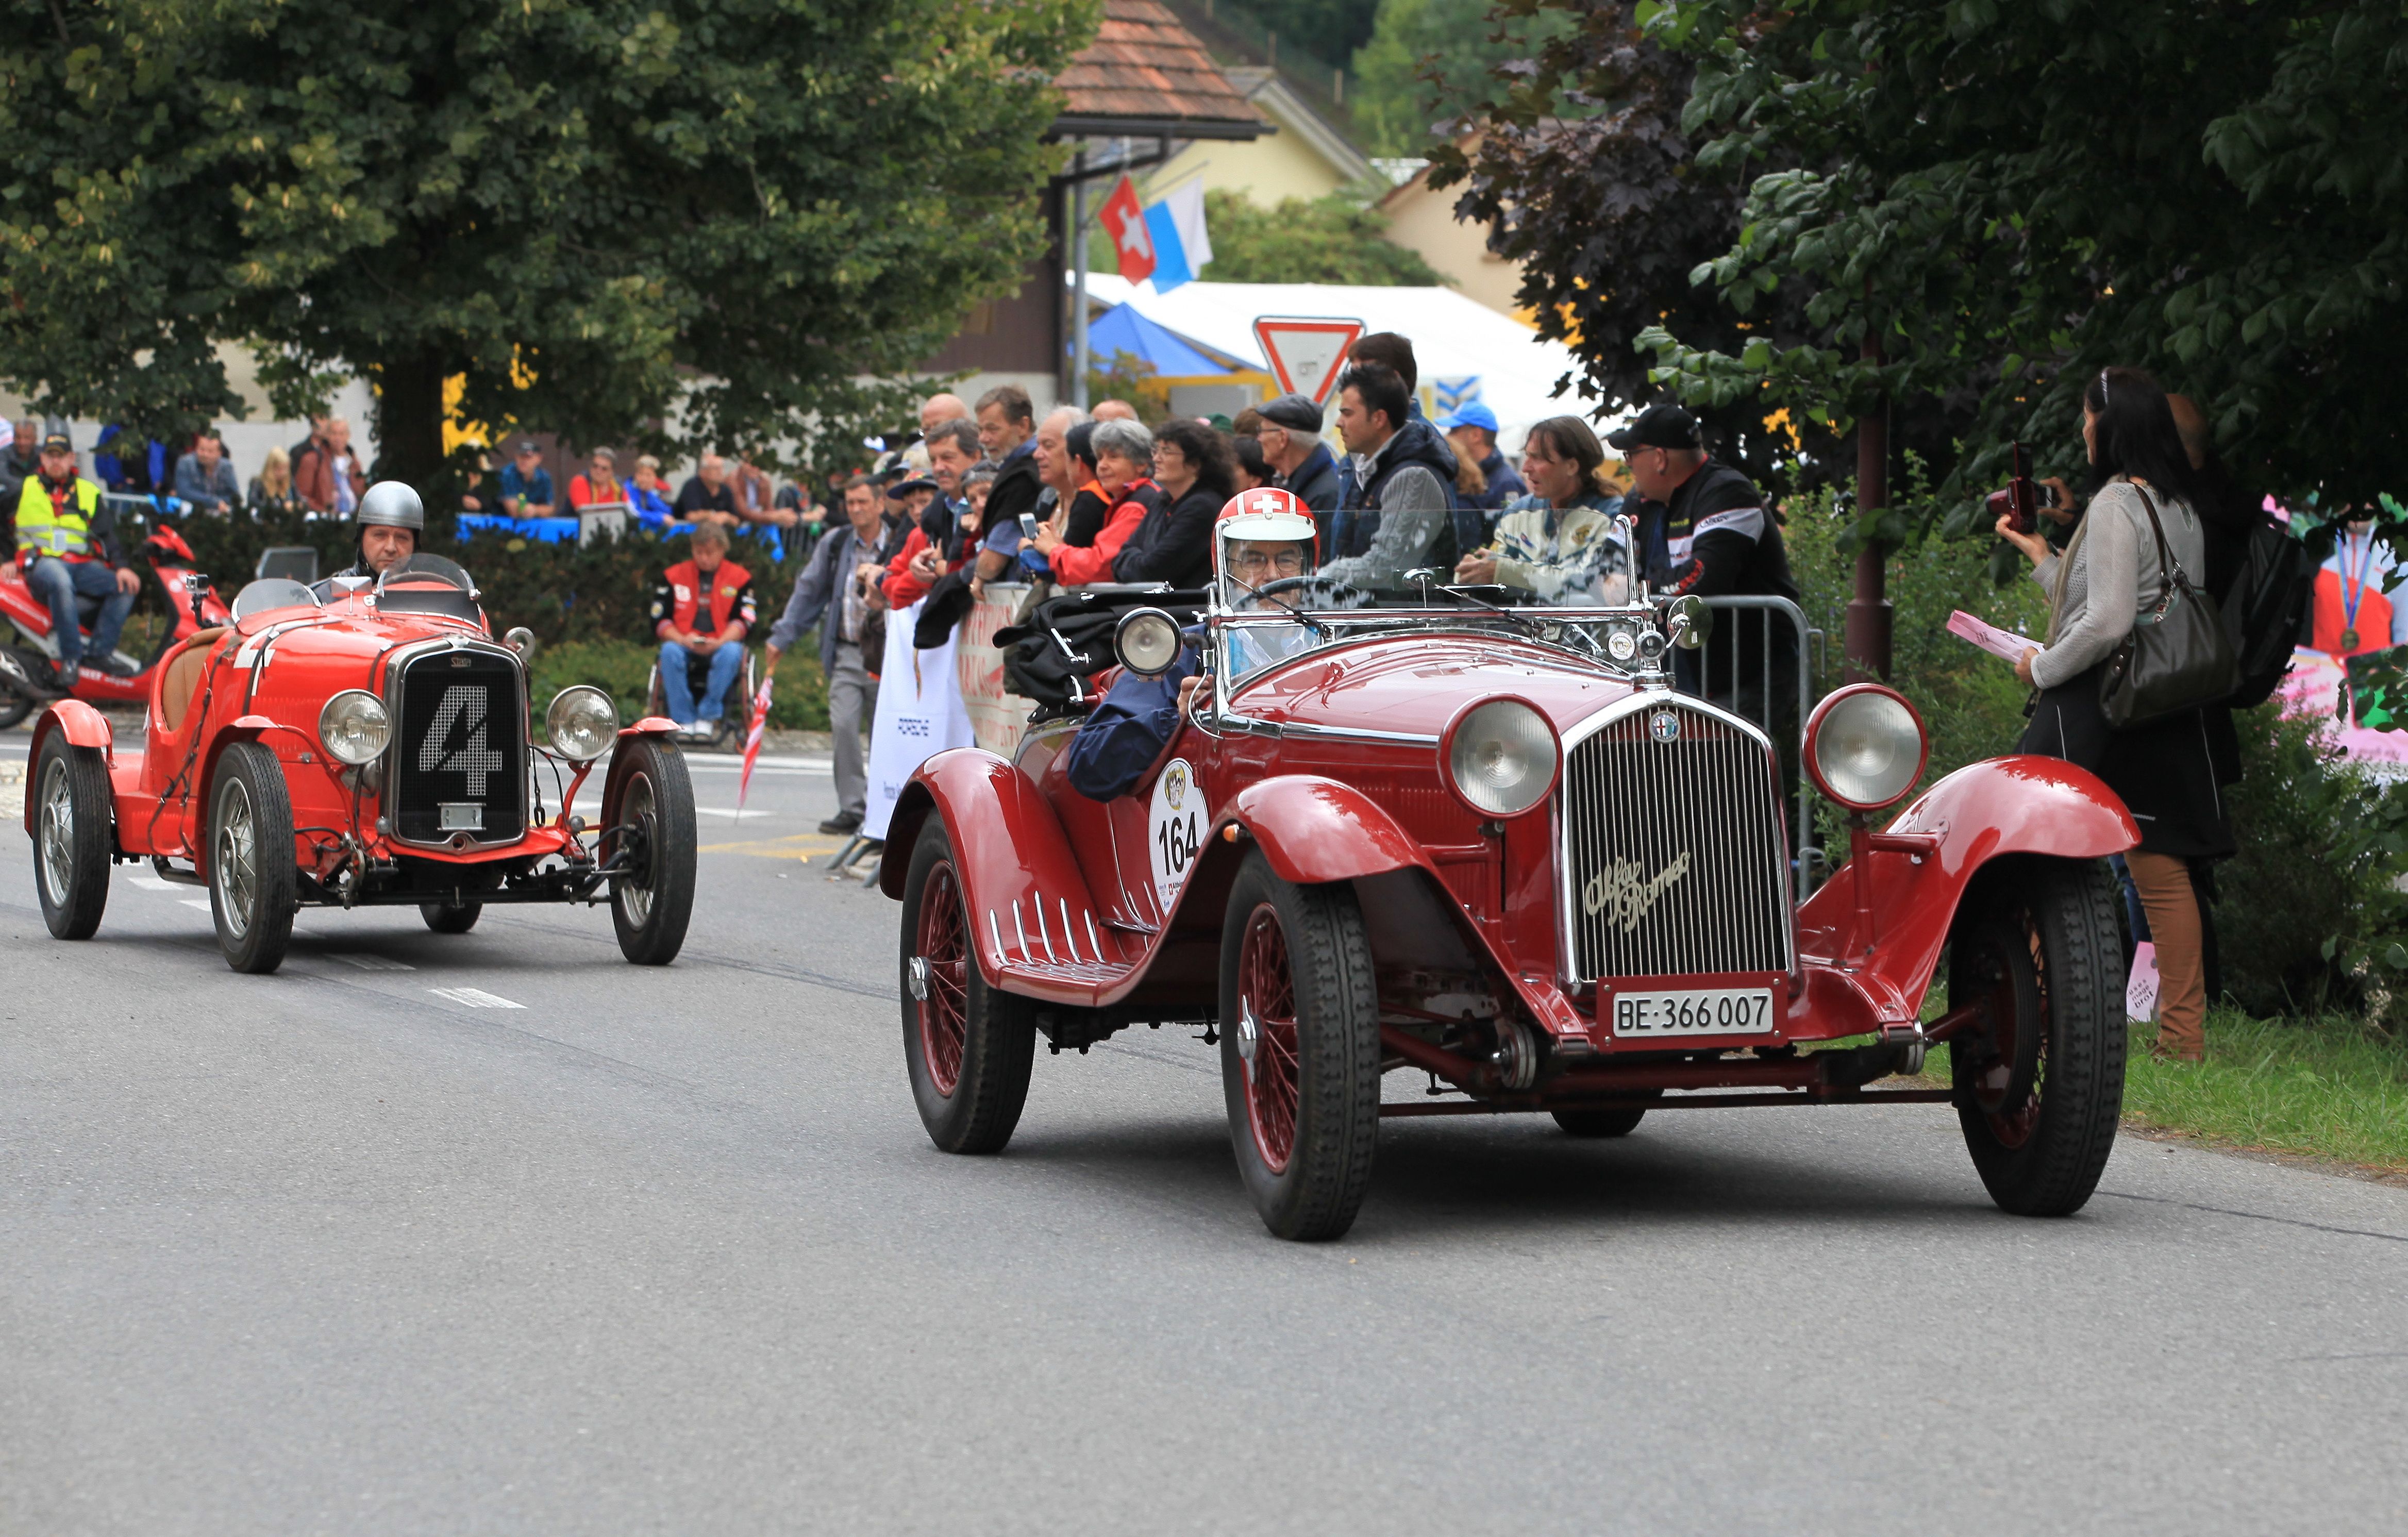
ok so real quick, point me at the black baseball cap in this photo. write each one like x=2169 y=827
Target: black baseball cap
x=1659 y=426
x=57 y=442
x=901 y=489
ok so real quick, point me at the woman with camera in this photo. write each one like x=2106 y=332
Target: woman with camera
x=2114 y=571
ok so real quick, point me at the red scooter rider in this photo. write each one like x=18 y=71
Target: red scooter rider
x=67 y=547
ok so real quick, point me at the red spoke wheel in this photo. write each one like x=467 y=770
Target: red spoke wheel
x=1299 y=1050
x=2039 y=1080
x=968 y=1046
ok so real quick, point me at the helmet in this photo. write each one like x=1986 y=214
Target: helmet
x=1266 y=515
x=391 y=505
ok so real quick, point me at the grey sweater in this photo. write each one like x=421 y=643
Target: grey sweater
x=2109 y=576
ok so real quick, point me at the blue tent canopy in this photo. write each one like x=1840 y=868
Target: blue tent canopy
x=1122 y=329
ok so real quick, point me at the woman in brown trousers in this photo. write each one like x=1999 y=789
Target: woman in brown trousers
x=2110 y=574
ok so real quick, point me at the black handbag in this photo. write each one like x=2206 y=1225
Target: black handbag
x=2177 y=656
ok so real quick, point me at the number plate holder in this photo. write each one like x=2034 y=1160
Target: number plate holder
x=459 y=816
x=1660 y=1013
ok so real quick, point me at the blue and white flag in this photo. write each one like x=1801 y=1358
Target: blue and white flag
x=1181 y=246
x=1453 y=395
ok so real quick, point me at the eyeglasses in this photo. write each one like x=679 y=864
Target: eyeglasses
x=1289 y=562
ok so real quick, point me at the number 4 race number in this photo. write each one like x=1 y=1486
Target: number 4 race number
x=1174 y=828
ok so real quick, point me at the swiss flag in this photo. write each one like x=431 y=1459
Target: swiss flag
x=1123 y=219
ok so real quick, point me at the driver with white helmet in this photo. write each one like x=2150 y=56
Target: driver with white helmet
x=1262 y=540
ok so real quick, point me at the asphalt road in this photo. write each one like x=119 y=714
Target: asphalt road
x=496 y=1233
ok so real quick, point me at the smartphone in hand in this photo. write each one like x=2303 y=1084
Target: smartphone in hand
x=1029 y=526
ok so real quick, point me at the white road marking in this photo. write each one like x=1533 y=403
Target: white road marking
x=737 y=765
x=151 y=882
x=474 y=998
x=732 y=813
x=201 y=903
x=369 y=963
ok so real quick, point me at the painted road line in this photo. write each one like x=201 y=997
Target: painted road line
x=474 y=998
x=732 y=813
x=151 y=882
x=797 y=846
x=201 y=903
x=369 y=963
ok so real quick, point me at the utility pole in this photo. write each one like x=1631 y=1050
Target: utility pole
x=1078 y=279
x=1868 y=610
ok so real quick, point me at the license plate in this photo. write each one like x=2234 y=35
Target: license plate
x=1697 y=1010
x=459 y=816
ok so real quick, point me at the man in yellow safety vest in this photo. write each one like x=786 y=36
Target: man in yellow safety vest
x=67 y=543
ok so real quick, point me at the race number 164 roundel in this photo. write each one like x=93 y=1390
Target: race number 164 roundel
x=1175 y=830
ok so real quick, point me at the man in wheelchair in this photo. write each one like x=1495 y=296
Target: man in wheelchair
x=67 y=547
x=702 y=610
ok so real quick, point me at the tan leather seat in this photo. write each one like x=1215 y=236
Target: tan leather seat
x=183 y=677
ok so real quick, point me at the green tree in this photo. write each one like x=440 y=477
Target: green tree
x=1328 y=30
x=721 y=215
x=1431 y=62
x=1330 y=240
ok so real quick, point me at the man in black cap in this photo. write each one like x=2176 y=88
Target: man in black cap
x=1704 y=529
x=1292 y=447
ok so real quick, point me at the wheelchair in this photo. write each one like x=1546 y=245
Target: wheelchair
x=735 y=724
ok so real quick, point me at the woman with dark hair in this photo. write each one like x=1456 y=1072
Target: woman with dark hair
x=1174 y=544
x=1252 y=469
x=1559 y=543
x=2110 y=574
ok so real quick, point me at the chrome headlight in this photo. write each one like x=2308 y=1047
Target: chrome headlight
x=1501 y=757
x=582 y=722
x=354 y=727
x=1147 y=641
x=1865 y=747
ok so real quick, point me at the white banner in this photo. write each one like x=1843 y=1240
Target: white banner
x=920 y=715
x=1000 y=716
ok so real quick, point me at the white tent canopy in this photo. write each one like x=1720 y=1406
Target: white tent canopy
x=1454 y=338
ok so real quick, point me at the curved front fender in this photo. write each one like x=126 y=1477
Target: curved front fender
x=1315 y=830
x=81 y=725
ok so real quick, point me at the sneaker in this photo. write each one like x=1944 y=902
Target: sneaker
x=843 y=822
x=117 y=666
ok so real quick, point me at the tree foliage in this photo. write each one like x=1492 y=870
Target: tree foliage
x=1430 y=62
x=684 y=222
x=1328 y=30
x=2009 y=196
x=1330 y=240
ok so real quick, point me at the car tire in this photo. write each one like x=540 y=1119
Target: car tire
x=2040 y=1088
x=1299 y=1050
x=72 y=837
x=651 y=907
x=450 y=917
x=966 y=1047
x=252 y=883
x=1620 y=1121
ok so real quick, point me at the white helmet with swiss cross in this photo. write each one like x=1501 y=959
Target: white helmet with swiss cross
x=1262 y=536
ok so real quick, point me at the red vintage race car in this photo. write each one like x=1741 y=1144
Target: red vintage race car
x=1497 y=847
x=363 y=743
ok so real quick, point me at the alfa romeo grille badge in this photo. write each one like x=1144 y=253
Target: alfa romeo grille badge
x=1664 y=725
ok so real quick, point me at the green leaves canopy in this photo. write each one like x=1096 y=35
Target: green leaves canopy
x=725 y=215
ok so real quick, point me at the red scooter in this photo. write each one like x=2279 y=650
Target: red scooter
x=33 y=652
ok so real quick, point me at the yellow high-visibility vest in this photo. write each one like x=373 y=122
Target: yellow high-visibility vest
x=40 y=526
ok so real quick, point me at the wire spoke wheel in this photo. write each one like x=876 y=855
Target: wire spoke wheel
x=74 y=835
x=235 y=859
x=1267 y=1037
x=944 y=1014
x=968 y=1046
x=58 y=826
x=641 y=811
x=653 y=902
x=252 y=872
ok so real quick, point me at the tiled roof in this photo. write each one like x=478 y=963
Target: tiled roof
x=1145 y=67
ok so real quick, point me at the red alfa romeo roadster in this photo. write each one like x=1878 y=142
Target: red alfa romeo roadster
x=1494 y=849
x=361 y=744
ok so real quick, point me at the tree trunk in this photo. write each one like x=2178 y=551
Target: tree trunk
x=1868 y=612
x=409 y=426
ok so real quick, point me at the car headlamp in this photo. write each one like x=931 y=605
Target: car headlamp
x=1147 y=641
x=1865 y=747
x=354 y=727
x=1501 y=757
x=582 y=722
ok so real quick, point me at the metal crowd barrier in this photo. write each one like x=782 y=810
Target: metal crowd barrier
x=1762 y=710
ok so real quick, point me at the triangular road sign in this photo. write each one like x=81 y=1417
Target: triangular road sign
x=1307 y=354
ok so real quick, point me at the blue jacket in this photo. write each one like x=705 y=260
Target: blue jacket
x=1127 y=731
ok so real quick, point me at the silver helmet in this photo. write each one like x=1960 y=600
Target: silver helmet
x=391 y=505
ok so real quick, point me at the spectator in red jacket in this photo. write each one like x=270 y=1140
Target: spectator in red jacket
x=702 y=609
x=1124 y=462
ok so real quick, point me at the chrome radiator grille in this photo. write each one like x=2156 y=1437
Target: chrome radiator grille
x=460 y=755
x=1674 y=859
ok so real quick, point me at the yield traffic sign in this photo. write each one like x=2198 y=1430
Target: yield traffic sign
x=1307 y=354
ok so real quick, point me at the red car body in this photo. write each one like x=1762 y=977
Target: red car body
x=1499 y=944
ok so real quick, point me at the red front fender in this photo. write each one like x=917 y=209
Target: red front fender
x=1917 y=869
x=1315 y=830
x=615 y=781
x=81 y=725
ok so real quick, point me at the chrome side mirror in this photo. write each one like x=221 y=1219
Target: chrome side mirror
x=1690 y=621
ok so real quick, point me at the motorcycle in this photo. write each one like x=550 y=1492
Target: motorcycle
x=33 y=652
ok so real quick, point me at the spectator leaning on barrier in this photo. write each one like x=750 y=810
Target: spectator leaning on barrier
x=205 y=481
x=1174 y=541
x=1083 y=516
x=648 y=494
x=834 y=597
x=526 y=485
x=707 y=496
x=1124 y=461
x=1407 y=485
x=326 y=473
x=1472 y=432
x=1558 y=542
x=702 y=609
x=1007 y=430
x=271 y=489
x=1304 y=466
x=67 y=543
x=597 y=484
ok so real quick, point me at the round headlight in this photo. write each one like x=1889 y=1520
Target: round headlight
x=1865 y=747
x=354 y=727
x=582 y=722
x=1147 y=640
x=1500 y=757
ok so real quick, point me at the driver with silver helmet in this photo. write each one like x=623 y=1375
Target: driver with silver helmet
x=1262 y=539
x=391 y=517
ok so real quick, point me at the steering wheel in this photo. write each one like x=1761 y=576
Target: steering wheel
x=1336 y=592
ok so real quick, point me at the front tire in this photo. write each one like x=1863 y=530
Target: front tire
x=450 y=917
x=251 y=885
x=1299 y=1050
x=651 y=906
x=968 y=1046
x=2040 y=1086
x=72 y=837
